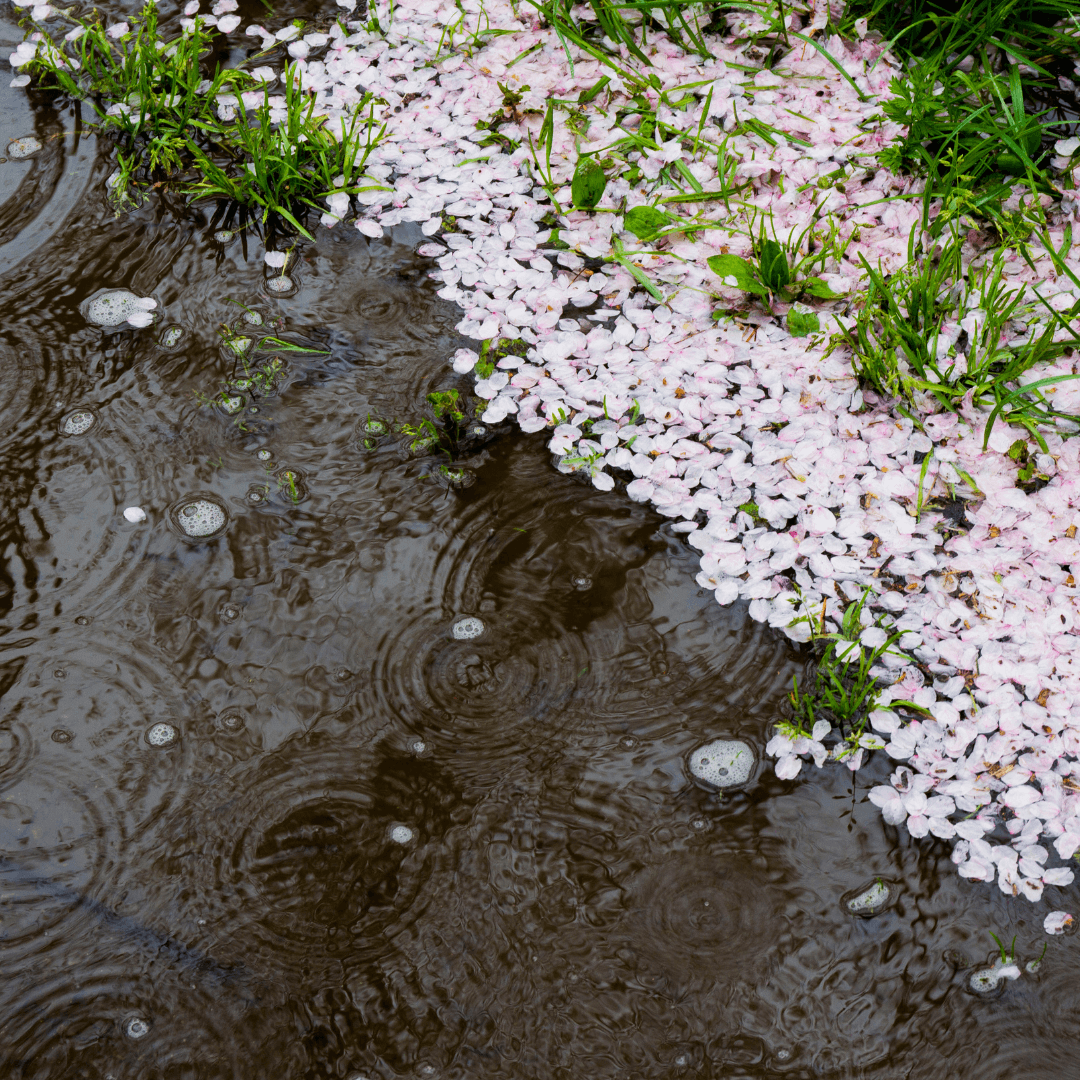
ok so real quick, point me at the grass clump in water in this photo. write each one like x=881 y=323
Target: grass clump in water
x=205 y=133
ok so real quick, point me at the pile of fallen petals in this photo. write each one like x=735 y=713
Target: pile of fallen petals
x=799 y=492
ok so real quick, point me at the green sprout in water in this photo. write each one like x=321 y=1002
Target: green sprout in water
x=446 y=405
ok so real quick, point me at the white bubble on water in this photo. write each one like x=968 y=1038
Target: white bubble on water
x=231 y=403
x=401 y=834
x=135 y=1027
x=280 y=284
x=78 y=422
x=869 y=899
x=722 y=763
x=264 y=455
x=171 y=336
x=115 y=306
x=466 y=628
x=253 y=317
x=201 y=517
x=23 y=147
x=135 y=514
x=223 y=236
x=162 y=734
x=984 y=981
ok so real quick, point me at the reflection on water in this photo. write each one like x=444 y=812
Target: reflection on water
x=330 y=766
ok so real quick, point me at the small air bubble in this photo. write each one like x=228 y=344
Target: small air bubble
x=629 y=742
x=401 y=834
x=229 y=613
x=135 y=1027
x=582 y=582
x=83 y=620
x=264 y=455
x=62 y=735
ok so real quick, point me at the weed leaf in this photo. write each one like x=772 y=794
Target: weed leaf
x=645 y=221
x=738 y=268
x=588 y=184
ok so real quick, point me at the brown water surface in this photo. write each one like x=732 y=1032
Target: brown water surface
x=558 y=900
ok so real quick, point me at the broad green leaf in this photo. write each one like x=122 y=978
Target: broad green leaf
x=802 y=323
x=588 y=184
x=814 y=286
x=740 y=270
x=775 y=271
x=645 y=221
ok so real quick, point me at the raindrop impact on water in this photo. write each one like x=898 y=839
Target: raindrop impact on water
x=232 y=722
x=135 y=1027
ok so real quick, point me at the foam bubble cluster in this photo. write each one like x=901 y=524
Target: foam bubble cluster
x=114 y=307
x=401 y=834
x=162 y=735
x=201 y=518
x=722 y=763
x=466 y=628
x=869 y=900
x=171 y=336
x=78 y=422
x=23 y=147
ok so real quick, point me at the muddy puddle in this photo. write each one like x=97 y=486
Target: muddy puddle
x=379 y=769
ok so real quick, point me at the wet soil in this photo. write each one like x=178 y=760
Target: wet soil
x=374 y=849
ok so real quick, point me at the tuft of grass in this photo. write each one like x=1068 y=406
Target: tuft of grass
x=844 y=690
x=165 y=112
x=897 y=350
